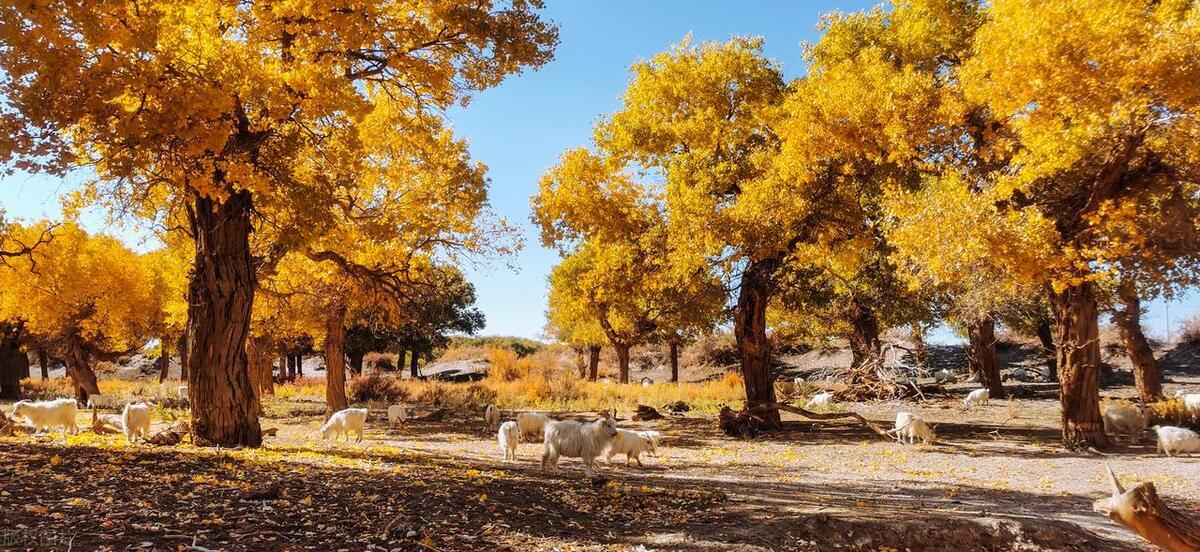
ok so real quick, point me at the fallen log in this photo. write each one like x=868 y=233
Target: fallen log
x=104 y=425
x=170 y=436
x=645 y=413
x=749 y=423
x=1140 y=510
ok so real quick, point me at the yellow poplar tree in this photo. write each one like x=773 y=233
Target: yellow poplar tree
x=90 y=297
x=234 y=113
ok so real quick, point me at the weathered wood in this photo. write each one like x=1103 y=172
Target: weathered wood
x=749 y=423
x=1077 y=335
x=645 y=413
x=1140 y=510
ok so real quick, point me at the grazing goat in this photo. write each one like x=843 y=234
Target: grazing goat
x=48 y=415
x=1191 y=402
x=531 y=426
x=182 y=391
x=507 y=436
x=491 y=417
x=397 y=414
x=943 y=376
x=343 y=422
x=1125 y=420
x=1177 y=439
x=798 y=381
x=822 y=399
x=633 y=444
x=577 y=440
x=96 y=400
x=135 y=421
x=647 y=382
x=977 y=397
x=912 y=428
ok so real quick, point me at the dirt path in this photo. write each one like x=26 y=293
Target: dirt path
x=997 y=481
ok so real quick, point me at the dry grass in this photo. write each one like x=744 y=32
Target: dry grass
x=124 y=390
x=1189 y=330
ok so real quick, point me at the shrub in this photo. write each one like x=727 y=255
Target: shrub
x=375 y=386
x=715 y=349
x=1189 y=330
x=385 y=362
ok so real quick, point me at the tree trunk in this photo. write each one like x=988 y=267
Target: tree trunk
x=283 y=364
x=1141 y=511
x=22 y=366
x=356 y=362
x=1129 y=321
x=982 y=355
x=258 y=363
x=920 y=352
x=164 y=359
x=1045 y=335
x=44 y=362
x=79 y=367
x=291 y=367
x=750 y=329
x=413 y=361
x=864 y=335
x=593 y=363
x=622 y=362
x=220 y=298
x=674 y=362
x=300 y=365
x=182 y=347
x=335 y=360
x=10 y=358
x=1076 y=326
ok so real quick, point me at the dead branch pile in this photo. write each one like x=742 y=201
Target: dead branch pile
x=741 y=424
x=677 y=407
x=877 y=379
x=437 y=415
x=645 y=413
x=7 y=426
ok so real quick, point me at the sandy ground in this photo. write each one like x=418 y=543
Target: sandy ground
x=997 y=480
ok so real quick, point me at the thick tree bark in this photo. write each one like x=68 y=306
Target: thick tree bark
x=79 y=367
x=22 y=366
x=164 y=360
x=593 y=363
x=982 y=355
x=335 y=360
x=920 y=352
x=10 y=358
x=413 y=362
x=750 y=330
x=220 y=298
x=44 y=362
x=1128 y=318
x=1045 y=333
x=300 y=365
x=356 y=362
x=864 y=335
x=622 y=362
x=1076 y=326
x=674 y=362
x=1141 y=511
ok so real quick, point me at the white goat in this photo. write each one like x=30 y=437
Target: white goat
x=507 y=436
x=135 y=421
x=182 y=391
x=912 y=428
x=577 y=440
x=798 y=381
x=943 y=376
x=491 y=417
x=647 y=382
x=1125 y=420
x=397 y=414
x=343 y=422
x=1177 y=439
x=823 y=399
x=977 y=397
x=1191 y=402
x=633 y=444
x=48 y=415
x=531 y=426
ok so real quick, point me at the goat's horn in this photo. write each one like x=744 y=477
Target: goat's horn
x=1116 y=485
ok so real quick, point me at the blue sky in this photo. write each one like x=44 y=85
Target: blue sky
x=519 y=128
